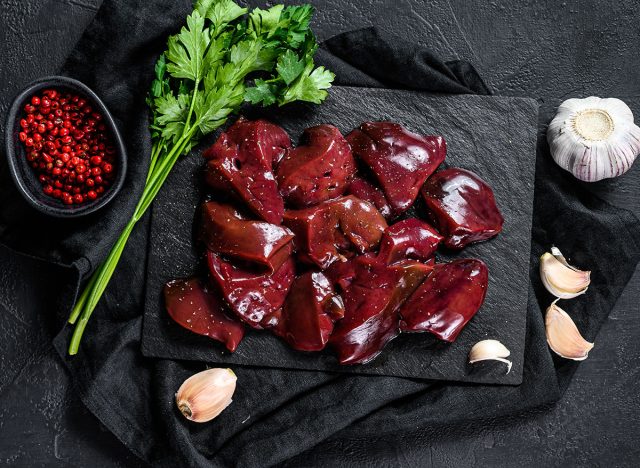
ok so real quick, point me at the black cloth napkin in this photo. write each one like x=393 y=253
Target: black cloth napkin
x=284 y=416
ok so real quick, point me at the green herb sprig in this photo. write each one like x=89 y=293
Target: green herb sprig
x=224 y=56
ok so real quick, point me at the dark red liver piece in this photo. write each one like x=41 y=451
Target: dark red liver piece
x=202 y=312
x=410 y=238
x=253 y=296
x=242 y=161
x=447 y=299
x=309 y=312
x=400 y=160
x=225 y=231
x=462 y=207
x=341 y=273
x=335 y=229
x=365 y=190
x=318 y=169
x=371 y=307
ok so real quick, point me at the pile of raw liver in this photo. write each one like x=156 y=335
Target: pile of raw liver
x=316 y=247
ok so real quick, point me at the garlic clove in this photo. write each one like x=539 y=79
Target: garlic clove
x=561 y=279
x=594 y=138
x=205 y=395
x=490 y=350
x=563 y=336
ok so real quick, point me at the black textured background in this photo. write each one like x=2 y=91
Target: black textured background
x=546 y=49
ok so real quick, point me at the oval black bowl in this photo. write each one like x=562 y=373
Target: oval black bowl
x=25 y=177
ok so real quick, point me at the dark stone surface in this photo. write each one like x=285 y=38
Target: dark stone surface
x=544 y=49
x=464 y=122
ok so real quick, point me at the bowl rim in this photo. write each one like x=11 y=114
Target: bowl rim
x=26 y=192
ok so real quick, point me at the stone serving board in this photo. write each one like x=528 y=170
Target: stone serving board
x=492 y=136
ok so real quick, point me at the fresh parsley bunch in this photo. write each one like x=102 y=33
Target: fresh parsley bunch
x=224 y=56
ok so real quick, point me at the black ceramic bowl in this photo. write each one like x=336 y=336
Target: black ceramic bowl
x=25 y=177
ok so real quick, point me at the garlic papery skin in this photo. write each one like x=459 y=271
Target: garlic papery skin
x=563 y=336
x=561 y=279
x=205 y=395
x=594 y=138
x=490 y=350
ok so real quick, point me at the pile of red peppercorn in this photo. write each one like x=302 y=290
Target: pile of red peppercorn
x=68 y=146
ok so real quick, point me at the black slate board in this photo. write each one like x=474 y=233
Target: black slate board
x=493 y=136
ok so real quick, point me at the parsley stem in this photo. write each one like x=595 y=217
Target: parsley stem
x=82 y=300
x=155 y=152
x=193 y=101
x=163 y=173
x=160 y=167
x=102 y=277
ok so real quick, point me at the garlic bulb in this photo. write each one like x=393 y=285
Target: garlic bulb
x=490 y=350
x=204 y=395
x=594 y=138
x=563 y=336
x=561 y=279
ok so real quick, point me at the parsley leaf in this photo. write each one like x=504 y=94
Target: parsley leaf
x=265 y=22
x=311 y=86
x=296 y=21
x=172 y=109
x=289 y=66
x=171 y=113
x=160 y=84
x=221 y=12
x=213 y=108
x=261 y=92
x=244 y=55
x=216 y=51
x=186 y=49
x=206 y=72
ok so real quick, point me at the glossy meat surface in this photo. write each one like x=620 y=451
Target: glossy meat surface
x=341 y=273
x=375 y=280
x=335 y=229
x=447 y=299
x=309 y=312
x=253 y=296
x=462 y=206
x=202 y=312
x=318 y=169
x=371 y=304
x=225 y=231
x=366 y=191
x=410 y=238
x=400 y=160
x=242 y=160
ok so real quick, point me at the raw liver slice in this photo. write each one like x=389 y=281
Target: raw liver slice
x=202 y=312
x=400 y=160
x=318 y=169
x=242 y=161
x=462 y=206
x=309 y=312
x=365 y=190
x=371 y=307
x=226 y=231
x=410 y=238
x=335 y=229
x=252 y=296
x=447 y=299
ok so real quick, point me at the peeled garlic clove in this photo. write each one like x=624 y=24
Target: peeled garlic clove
x=204 y=395
x=561 y=279
x=490 y=350
x=594 y=138
x=563 y=336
